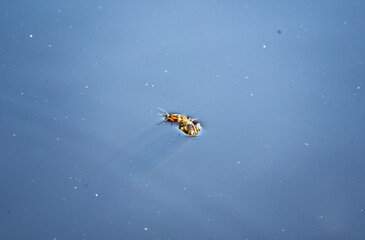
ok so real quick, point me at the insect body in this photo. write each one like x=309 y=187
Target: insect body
x=186 y=124
x=173 y=117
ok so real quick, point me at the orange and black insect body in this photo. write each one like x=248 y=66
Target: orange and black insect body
x=173 y=117
x=186 y=124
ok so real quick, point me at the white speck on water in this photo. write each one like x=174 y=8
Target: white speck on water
x=321 y=217
x=146 y=229
x=283 y=230
x=152 y=85
x=21 y=93
x=146 y=84
x=306 y=144
x=13 y=134
x=30 y=35
x=58 y=139
x=165 y=71
x=238 y=162
x=86 y=86
x=49 y=45
x=96 y=195
x=75 y=187
x=251 y=94
x=264 y=46
x=358 y=87
x=246 y=77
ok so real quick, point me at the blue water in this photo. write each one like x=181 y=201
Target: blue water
x=278 y=88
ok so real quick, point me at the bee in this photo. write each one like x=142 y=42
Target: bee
x=190 y=127
x=173 y=117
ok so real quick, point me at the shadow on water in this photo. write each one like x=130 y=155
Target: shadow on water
x=141 y=154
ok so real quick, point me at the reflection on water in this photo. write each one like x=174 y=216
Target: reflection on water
x=146 y=151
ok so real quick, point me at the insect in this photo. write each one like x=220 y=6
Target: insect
x=186 y=124
x=173 y=117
